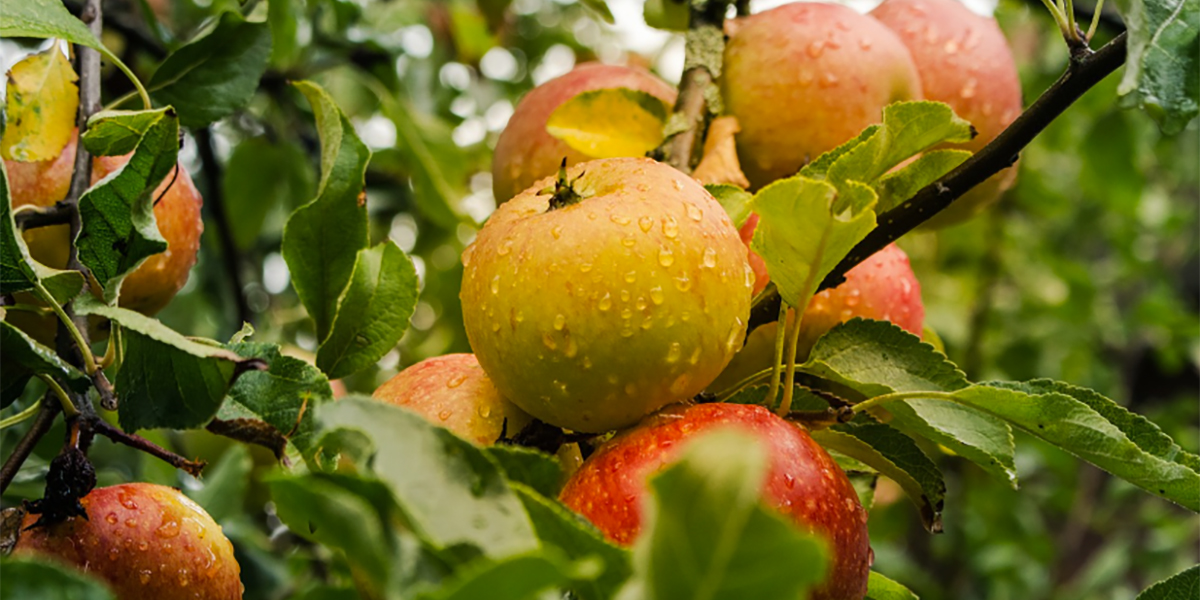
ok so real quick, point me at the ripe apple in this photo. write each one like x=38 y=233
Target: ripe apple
x=803 y=482
x=623 y=291
x=882 y=287
x=965 y=62
x=148 y=542
x=454 y=392
x=526 y=153
x=156 y=281
x=804 y=78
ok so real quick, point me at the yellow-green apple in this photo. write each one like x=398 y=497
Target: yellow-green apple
x=803 y=78
x=623 y=290
x=882 y=287
x=965 y=62
x=146 y=541
x=526 y=153
x=453 y=391
x=156 y=281
x=803 y=482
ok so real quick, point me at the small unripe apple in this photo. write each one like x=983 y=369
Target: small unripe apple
x=526 y=153
x=453 y=391
x=803 y=78
x=148 y=542
x=965 y=62
x=882 y=287
x=803 y=482
x=592 y=306
x=156 y=281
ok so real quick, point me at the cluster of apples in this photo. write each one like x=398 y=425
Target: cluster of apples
x=607 y=296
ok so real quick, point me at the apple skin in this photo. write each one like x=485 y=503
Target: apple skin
x=803 y=482
x=882 y=287
x=526 y=153
x=453 y=391
x=803 y=78
x=593 y=315
x=155 y=282
x=964 y=61
x=148 y=542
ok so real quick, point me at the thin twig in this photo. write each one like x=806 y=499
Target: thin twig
x=193 y=467
x=688 y=125
x=214 y=201
x=41 y=424
x=1082 y=74
x=32 y=217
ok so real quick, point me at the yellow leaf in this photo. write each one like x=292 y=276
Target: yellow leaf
x=42 y=99
x=610 y=123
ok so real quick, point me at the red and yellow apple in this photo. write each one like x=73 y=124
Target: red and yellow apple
x=803 y=482
x=803 y=78
x=453 y=391
x=590 y=313
x=146 y=541
x=965 y=62
x=526 y=153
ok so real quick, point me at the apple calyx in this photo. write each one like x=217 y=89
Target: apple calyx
x=564 y=191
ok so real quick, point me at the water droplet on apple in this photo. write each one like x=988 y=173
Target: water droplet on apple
x=131 y=522
x=630 y=388
x=485 y=411
x=619 y=219
x=624 y=295
x=572 y=348
x=656 y=295
x=670 y=227
x=445 y=414
x=628 y=241
x=665 y=257
x=646 y=224
x=674 y=352
x=710 y=258
x=456 y=381
x=828 y=80
x=548 y=341
x=789 y=481
x=495 y=286
x=695 y=357
x=504 y=248
x=680 y=385
x=631 y=277
x=694 y=213
x=144 y=576
x=111 y=518
x=683 y=283
x=605 y=302
x=560 y=321
x=951 y=46
x=815 y=49
x=864 y=43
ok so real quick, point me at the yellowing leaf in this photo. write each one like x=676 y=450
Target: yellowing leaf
x=610 y=123
x=42 y=100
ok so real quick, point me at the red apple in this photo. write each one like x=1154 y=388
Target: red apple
x=526 y=153
x=148 y=542
x=803 y=78
x=965 y=62
x=590 y=313
x=802 y=482
x=453 y=391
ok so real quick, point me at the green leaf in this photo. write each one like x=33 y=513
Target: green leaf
x=22 y=355
x=284 y=396
x=1162 y=60
x=284 y=16
x=672 y=15
x=18 y=270
x=225 y=484
x=1181 y=586
x=557 y=526
x=538 y=470
x=708 y=536
x=733 y=199
x=877 y=358
x=166 y=379
x=898 y=186
x=119 y=230
x=896 y=456
x=1094 y=429
x=600 y=7
x=882 y=588
x=211 y=77
x=322 y=238
x=117 y=132
x=26 y=578
x=610 y=122
x=373 y=314
x=322 y=509
x=43 y=19
x=450 y=490
x=514 y=578
x=250 y=197
x=805 y=227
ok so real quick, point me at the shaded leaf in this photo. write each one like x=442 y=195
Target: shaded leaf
x=1181 y=586
x=285 y=395
x=538 y=470
x=513 y=578
x=117 y=132
x=41 y=105
x=43 y=19
x=735 y=200
x=898 y=186
x=1162 y=60
x=23 y=354
x=26 y=578
x=882 y=588
x=250 y=197
x=610 y=122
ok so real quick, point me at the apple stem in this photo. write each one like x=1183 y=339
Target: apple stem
x=564 y=190
x=773 y=391
x=793 y=338
x=68 y=406
x=699 y=96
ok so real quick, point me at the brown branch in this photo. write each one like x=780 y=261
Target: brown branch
x=32 y=217
x=41 y=424
x=252 y=431
x=688 y=124
x=1083 y=73
x=193 y=467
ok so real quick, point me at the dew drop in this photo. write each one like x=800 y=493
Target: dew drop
x=806 y=78
x=111 y=518
x=647 y=322
x=630 y=389
x=131 y=522
x=710 y=258
x=495 y=326
x=864 y=43
x=456 y=381
x=678 y=186
x=694 y=213
x=683 y=283
x=144 y=576
x=674 y=352
x=556 y=231
x=789 y=481
x=184 y=579
x=656 y=295
x=626 y=332
x=815 y=49
x=495 y=287
x=670 y=227
x=628 y=241
x=624 y=295
x=605 y=302
x=646 y=223
x=828 y=80
x=585 y=267
x=619 y=219
x=627 y=314
x=968 y=90
x=548 y=341
x=114 y=553
x=695 y=357
x=951 y=46
x=485 y=411
x=560 y=321
x=641 y=187
x=445 y=414
x=641 y=303
x=572 y=348
x=504 y=248
x=665 y=257
x=520 y=317
x=680 y=385
x=143 y=545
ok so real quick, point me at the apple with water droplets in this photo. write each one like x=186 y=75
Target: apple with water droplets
x=598 y=298
x=146 y=541
x=965 y=62
x=453 y=391
x=803 y=78
x=803 y=482
x=526 y=152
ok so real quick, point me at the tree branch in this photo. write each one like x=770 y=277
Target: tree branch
x=1083 y=73
x=41 y=425
x=102 y=427
x=215 y=202
x=695 y=105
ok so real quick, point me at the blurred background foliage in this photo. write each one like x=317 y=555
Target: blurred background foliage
x=1088 y=271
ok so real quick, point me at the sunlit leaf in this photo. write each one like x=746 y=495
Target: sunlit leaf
x=41 y=105
x=610 y=122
